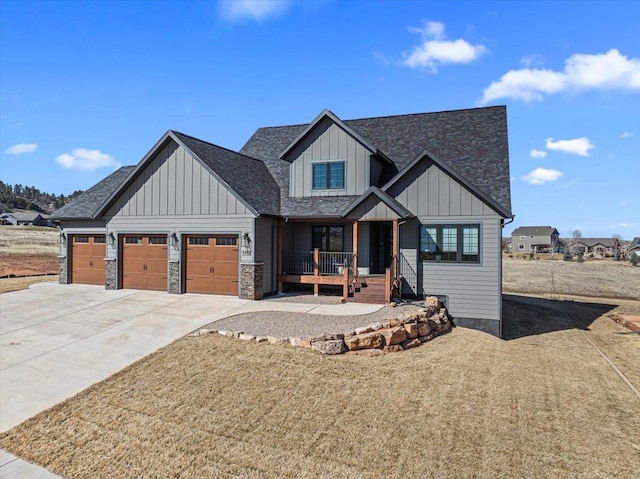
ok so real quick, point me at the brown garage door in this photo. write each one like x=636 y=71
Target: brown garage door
x=144 y=262
x=87 y=259
x=212 y=264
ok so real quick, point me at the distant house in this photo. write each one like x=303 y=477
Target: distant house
x=599 y=246
x=537 y=239
x=23 y=218
x=633 y=247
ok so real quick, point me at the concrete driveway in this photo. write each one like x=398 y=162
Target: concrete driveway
x=56 y=340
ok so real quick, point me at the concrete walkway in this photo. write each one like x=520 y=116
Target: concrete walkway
x=57 y=340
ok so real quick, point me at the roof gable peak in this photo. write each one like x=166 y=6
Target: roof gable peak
x=324 y=114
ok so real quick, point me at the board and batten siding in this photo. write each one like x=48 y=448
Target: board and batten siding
x=373 y=208
x=328 y=142
x=176 y=184
x=473 y=290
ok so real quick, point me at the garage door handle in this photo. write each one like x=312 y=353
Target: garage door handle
x=144 y=267
x=90 y=263
x=211 y=269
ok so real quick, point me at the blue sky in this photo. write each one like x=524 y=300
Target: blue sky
x=88 y=86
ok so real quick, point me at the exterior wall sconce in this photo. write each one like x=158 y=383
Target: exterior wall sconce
x=111 y=239
x=246 y=244
x=62 y=239
x=174 y=240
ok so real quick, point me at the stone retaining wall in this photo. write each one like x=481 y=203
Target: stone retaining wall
x=407 y=331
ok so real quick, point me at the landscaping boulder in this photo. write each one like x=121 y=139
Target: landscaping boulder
x=364 y=341
x=394 y=335
x=332 y=346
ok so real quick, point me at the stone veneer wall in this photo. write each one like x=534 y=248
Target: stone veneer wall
x=62 y=270
x=110 y=279
x=251 y=280
x=174 y=277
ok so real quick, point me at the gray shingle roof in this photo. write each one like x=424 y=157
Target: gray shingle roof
x=534 y=230
x=248 y=177
x=472 y=142
x=327 y=206
x=88 y=203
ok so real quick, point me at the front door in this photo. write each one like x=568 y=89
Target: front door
x=380 y=244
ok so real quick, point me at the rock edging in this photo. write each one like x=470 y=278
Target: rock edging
x=407 y=331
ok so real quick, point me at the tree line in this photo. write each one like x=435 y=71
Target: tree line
x=31 y=198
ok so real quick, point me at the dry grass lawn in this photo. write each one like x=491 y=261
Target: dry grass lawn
x=28 y=240
x=542 y=404
x=598 y=278
x=16 y=284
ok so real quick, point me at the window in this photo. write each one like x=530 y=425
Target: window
x=198 y=240
x=226 y=241
x=520 y=247
x=99 y=239
x=133 y=240
x=328 y=238
x=531 y=236
x=157 y=240
x=450 y=243
x=328 y=175
x=522 y=236
x=80 y=239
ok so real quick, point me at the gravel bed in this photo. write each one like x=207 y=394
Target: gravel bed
x=304 y=298
x=279 y=324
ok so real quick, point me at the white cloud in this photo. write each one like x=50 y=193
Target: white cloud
x=625 y=135
x=86 y=160
x=538 y=153
x=435 y=50
x=540 y=176
x=607 y=71
x=21 y=148
x=258 y=10
x=624 y=225
x=578 y=146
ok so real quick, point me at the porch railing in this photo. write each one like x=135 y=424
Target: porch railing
x=327 y=263
x=334 y=262
x=409 y=275
x=294 y=262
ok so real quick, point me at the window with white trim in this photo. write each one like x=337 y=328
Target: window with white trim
x=450 y=243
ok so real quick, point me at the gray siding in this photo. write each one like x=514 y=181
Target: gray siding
x=373 y=209
x=325 y=143
x=430 y=191
x=266 y=250
x=376 y=171
x=175 y=183
x=473 y=290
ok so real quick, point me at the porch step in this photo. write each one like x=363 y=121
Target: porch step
x=368 y=292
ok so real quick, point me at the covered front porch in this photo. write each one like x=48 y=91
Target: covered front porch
x=358 y=256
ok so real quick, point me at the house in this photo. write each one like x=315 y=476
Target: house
x=537 y=239
x=604 y=247
x=23 y=218
x=633 y=247
x=378 y=207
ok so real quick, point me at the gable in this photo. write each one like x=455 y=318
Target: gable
x=427 y=190
x=176 y=183
x=328 y=141
x=474 y=142
x=373 y=208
